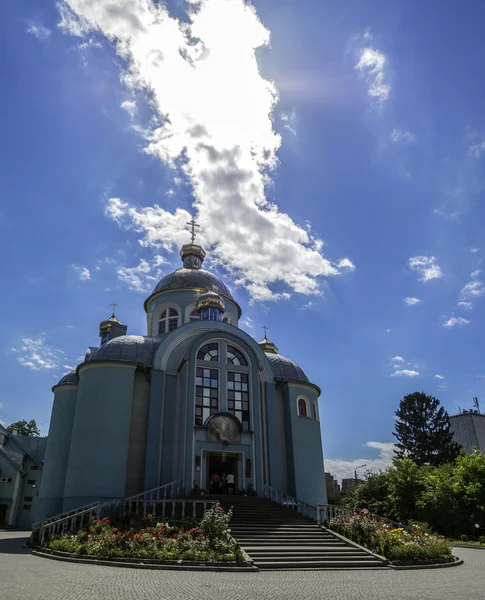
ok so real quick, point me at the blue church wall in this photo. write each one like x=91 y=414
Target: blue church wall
x=135 y=468
x=100 y=437
x=27 y=508
x=272 y=437
x=170 y=433
x=305 y=459
x=153 y=441
x=57 y=452
x=281 y=437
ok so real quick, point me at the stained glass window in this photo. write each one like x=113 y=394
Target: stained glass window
x=234 y=357
x=169 y=320
x=209 y=352
x=238 y=396
x=206 y=394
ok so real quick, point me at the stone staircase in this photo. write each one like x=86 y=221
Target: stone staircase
x=277 y=537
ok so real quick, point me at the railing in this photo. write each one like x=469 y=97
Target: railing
x=145 y=503
x=326 y=512
x=68 y=513
x=305 y=509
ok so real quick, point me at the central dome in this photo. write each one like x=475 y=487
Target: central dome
x=190 y=279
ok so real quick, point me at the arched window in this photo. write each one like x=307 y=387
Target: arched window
x=315 y=412
x=169 y=320
x=194 y=315
x=209 y=352
x=302 y=408
x=215 y=382
x=226 y=320
x=234 y=357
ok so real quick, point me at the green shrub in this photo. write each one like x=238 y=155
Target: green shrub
x=481 y=539
x=464 y=537
x=397 y=544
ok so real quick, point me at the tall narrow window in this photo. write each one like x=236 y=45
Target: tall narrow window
x=238 y=396
x=302 y=410
x=234 y=357
x=206 y=394
x=315 y=414
x=169 y=320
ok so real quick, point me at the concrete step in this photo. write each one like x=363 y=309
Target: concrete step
x=316 y=565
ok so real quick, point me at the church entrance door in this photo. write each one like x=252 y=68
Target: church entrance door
x=3 y=515
x=219 y=464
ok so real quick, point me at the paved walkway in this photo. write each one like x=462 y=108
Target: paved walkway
x=27 y=577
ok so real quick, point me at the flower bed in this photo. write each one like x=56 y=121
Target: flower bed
x=131 y=536
x=404 y=546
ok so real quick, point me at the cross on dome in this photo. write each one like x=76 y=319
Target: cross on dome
x=193 y=225
x=114 y=305
x=265 y=331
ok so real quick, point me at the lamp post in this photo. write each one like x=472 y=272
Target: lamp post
x=355 y=472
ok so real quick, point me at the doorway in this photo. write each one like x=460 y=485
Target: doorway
x=221 y=463
x=3 y=515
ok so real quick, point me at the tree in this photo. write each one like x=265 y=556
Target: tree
x=423 y=431
x=24 y=428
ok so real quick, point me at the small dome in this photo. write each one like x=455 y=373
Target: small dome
x=284 y=368
x=192 y=279
x=69 y=379
x=211 y=300
x=111 y=321
x=128 y=348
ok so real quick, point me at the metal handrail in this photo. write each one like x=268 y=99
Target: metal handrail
x=62 y=523
x=286 y=500
x=67 y=513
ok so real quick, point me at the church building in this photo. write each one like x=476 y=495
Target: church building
x=193 y=399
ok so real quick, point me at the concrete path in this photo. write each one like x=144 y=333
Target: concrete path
x=26 y=577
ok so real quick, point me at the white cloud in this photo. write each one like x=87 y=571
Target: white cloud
x=143 y=277
x=452 y=321
x=248 y=322
x=477 y=149
x=342 y=469
x=474 y=250
x=472 y=289
x=1 y=404
x=289 y=121
x=439 y=377
x=388 y=331
x=40 y=32
x=476 y=273
x=83 y=272
x=426 y=266
x=465 y=305
x=345 y=263
x=401 y=135
x=481 y=376
x=307 y=305
x=130 y=107
x=397 y=359
x=405 y=373
x=213 y=112
x=37 y=355
x=412 y=301
x=372 y=64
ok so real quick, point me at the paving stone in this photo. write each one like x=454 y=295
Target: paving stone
x=26 y=577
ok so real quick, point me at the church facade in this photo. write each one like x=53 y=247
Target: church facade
x=193 y=400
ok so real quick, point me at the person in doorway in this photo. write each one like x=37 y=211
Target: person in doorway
x=224 y=483
x=230 y=483
x=216 y=483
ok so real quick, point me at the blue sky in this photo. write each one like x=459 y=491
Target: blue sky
x=335 y=176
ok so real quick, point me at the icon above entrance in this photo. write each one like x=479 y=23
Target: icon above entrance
x=224 y=428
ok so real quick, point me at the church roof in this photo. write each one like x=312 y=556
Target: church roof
x=127 y=348
x=284 y=368
x=189 y=279
x=69 y=379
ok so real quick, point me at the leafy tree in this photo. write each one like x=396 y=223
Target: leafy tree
x=423 y=431
x=24 y=428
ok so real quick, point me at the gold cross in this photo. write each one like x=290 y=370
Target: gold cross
x=114 y=305
x=265 y=329
x=193 y=224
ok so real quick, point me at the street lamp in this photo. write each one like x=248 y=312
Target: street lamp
x=355 y=472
